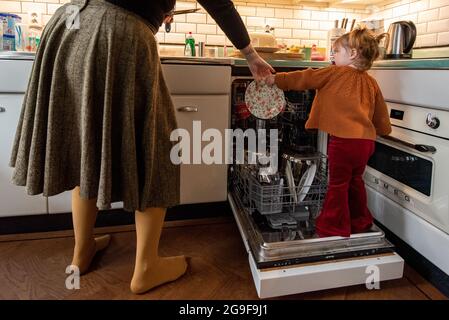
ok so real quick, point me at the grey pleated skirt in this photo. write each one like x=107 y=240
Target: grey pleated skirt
x=97 y=112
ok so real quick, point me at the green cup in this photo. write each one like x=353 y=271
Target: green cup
x=307 y=53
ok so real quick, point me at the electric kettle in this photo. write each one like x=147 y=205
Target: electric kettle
x=400 y=40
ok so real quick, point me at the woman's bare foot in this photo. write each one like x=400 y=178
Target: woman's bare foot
x=163 y=270
x=82 y=257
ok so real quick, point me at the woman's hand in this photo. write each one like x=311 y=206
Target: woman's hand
x=259 y=68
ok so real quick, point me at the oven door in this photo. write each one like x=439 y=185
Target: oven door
x=415 y=179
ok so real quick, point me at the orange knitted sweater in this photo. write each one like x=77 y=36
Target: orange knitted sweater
x=348 y=103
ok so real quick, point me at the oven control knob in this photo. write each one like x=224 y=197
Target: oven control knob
x=432 y=121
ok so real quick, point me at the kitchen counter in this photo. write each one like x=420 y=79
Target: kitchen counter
x=432 y=63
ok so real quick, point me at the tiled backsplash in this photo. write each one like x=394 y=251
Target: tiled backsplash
x=431 y=18
x=294 y=24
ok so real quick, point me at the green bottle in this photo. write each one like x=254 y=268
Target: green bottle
x=190 y=46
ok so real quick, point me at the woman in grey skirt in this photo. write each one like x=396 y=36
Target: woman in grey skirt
x=97 y=118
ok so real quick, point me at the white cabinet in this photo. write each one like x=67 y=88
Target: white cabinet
x=203 y=182
x=62 y=203
x=13 y=199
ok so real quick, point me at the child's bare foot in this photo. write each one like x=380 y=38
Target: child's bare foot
x=163 y=270
x=82 y=257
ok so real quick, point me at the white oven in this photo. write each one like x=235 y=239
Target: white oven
x=407 y=178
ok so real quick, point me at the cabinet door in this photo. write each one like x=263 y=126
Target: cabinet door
x=202 y=182
x=14 y=200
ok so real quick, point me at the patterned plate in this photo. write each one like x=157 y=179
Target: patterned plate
x=263 y=101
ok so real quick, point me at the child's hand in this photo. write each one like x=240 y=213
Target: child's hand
x=269 y=80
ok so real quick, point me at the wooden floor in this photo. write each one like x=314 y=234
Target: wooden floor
x=35 y=269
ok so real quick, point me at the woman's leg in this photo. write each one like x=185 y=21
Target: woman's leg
x=84 y=214
x=151 y=270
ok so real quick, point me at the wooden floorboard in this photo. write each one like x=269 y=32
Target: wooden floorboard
x=35 y=269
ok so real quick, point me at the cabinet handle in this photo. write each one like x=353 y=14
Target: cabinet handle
x=188 y=109
x=2 y=109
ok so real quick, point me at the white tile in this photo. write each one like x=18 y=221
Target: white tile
x=428 y=15
x=34 y=7
x=196 y=18
x=438 y=3
x=179 y=18
x=218 y=40
x=443 y=38
x=10 y=6
x=418 y=6
x=206 y=28
x=421 y=28
x=181 y=5
x=160 y=37
x=387 y=14
x=427 y=40
x=301 y=34
x=283 y=13
x=255 y=21
x=200 y=38
x=444 y=12
x=438 y=26
x=275 y=22
x=292 y=23
x=312 y=25
x=320 y=15
x=265 y=12
x=327 y=25
x=185 y=27
x=175 y=38
x=322 y=44
x=283 y=33
x=51 y=8
x=246 y=11
x=321 y=35
x=401 y=10
x=291 y=42
x=336 y=16
x=302 y=14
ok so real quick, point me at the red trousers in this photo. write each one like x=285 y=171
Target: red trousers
x=345 y=209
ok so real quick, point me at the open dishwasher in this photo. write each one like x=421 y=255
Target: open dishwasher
x=276 y=212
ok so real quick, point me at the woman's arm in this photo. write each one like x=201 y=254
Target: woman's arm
x=301 y=80
x=229 y=20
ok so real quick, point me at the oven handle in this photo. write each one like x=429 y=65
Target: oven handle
x=419 y=147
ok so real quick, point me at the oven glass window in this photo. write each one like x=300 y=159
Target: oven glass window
x=404 y=167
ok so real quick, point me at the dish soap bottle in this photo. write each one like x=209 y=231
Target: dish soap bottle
x=190 y=46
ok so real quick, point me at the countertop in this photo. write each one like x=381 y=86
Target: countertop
x=430 y=63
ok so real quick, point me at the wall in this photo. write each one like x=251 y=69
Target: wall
x=294 y=24
x=430 y=16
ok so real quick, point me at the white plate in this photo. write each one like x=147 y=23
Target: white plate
x=306 y=181
x=267 y=49
x=291 y=181
x=263 y=101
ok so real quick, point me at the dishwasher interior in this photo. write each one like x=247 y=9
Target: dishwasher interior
x=276 y=209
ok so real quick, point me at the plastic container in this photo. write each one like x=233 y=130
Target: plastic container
x=9 y=21
x=190 y=46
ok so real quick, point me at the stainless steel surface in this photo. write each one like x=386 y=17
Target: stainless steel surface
x=188 y=109
x=17 y=55
x=432 y=121
x=419 y=147
x=201 y=49
x=265 y=252
x=401 y=37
